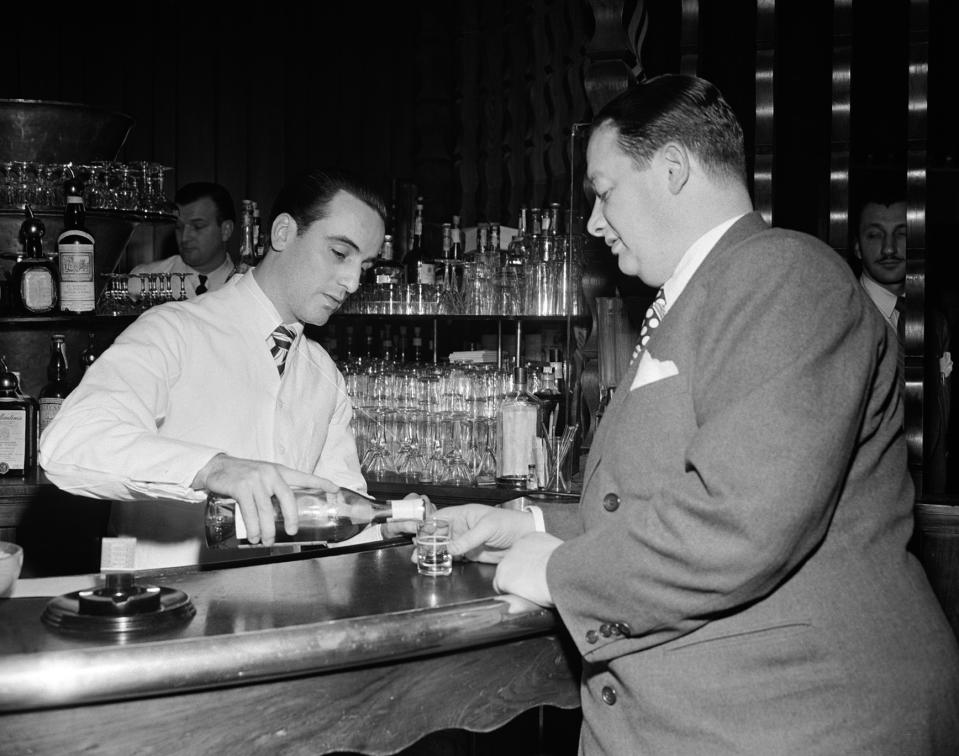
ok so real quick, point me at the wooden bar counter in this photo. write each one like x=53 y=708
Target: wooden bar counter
x=302 y=654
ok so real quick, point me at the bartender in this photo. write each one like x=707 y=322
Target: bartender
x=223 y=392
x=206 y=218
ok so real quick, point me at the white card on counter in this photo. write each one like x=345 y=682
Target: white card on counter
x=118 y=554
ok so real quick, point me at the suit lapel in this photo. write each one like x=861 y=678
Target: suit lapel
x=745 y=227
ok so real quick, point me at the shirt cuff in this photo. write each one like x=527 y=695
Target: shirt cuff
x=539 y=524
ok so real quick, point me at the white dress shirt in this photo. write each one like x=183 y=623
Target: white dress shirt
x=692 y=259
x=884 y=300
x=184 y=382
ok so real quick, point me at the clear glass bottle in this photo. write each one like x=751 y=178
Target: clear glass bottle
x=34 y=281
x=247 y=245
x=58 y=384
x=18 y=426
x=76 y=254
x=322 y=517
x=519 y=430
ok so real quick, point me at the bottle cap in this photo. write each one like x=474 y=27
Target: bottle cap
x=519 y=375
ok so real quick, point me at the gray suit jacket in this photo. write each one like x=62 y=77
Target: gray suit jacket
x=741 y=583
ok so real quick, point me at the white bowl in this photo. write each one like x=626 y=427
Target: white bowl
x=11 y=561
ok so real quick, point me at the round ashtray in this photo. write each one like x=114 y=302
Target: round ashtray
x=120 y=607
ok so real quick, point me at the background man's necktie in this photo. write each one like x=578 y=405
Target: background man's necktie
x=202 y=287
x=652 y=319
x=282 y=339
x=901 y=335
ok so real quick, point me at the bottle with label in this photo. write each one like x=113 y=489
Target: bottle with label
x=18 y=426
x=88 y=355
x=385 y=270
x=58 y=385
x=322 y=517
x=519 y=424
x=76 y=254
x=34 y=281
x=419 y=265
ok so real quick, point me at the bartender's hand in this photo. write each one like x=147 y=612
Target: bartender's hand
x=522 y=570
x=395 y=528
x=482 y=533
x=253 y=483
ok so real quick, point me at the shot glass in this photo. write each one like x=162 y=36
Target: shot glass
x=432 y=547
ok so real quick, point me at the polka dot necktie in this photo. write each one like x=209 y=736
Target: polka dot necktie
x=282 y=340
x=202 y=287
x=652 y=319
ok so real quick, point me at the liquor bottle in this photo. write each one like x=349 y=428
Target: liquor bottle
x=482 y=244
x=58 y=385
x=549 y=394
x=89 y=354
x=247 y=248
x=322 y=517
x=402 y=346
x=33 y=279
x=519 y=424
x=419 y=265
x=385 y=270
x=456 y=240
x=18 y=426
x=417 y=345
x=493 y=254
x=75 y=250
x=386 y=339
x=257 y=231
x=447 y=241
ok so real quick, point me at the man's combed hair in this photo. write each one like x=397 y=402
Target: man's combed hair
x=225 y=210
x=683 y=109
x=306 y=196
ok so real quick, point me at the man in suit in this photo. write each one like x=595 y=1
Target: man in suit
x=880 y=250
x=736 y=579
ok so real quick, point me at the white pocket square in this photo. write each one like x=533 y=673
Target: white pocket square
x=651 y=370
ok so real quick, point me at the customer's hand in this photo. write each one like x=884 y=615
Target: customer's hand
x=395 y=528
x=254 y=483
x=482 y=533
x=522 y=570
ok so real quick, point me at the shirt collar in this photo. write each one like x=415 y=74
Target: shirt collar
x=884 y=299
x=692 y=259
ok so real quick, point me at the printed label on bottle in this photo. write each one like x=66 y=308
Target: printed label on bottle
x=407 y=509
x=37 y=290
x=49 y=407
x=77 y=290
x=426 y=273
x=13 y=439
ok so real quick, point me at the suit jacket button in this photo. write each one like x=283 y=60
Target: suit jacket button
x=611 y=502
x=591 y=636
x=609 y=695
x=605 y=630
x=624 y=628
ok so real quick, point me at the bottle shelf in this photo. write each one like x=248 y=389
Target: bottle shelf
x=66 y=321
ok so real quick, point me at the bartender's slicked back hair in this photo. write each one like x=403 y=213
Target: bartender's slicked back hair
x=678 y=108
x=307 y=196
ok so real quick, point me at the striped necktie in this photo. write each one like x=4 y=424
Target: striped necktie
x=282 y=339
x=652 y=319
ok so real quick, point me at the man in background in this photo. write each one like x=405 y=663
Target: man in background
x=880 y=249
x=205 y=220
